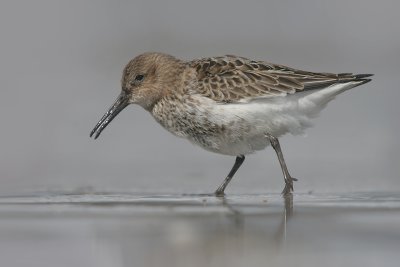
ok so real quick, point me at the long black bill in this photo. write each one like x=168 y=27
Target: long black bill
x=117 y=107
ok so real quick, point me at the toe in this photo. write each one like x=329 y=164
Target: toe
x=219 y=193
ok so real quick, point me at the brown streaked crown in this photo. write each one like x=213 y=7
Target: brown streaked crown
x=149 y=76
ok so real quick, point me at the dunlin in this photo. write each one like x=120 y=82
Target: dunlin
x=229 y=105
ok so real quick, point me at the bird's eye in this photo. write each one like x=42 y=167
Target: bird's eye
x=139 y=78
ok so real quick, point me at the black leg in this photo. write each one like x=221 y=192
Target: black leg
x=239 y=160
x=288 y=179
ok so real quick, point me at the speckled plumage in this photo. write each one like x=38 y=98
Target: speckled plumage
x=229 y=105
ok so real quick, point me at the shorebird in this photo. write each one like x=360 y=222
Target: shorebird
x=228 y=105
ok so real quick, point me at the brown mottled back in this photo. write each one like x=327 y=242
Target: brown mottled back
x=232 y=79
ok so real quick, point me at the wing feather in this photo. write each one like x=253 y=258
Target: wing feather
x=233 y=79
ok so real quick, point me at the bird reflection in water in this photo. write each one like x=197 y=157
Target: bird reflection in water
x=280 y=234
x=234 y=230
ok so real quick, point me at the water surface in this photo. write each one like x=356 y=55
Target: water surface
x=99 y=229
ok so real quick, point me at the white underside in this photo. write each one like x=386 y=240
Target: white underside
x=250 y=121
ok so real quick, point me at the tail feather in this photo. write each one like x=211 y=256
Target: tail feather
x=314 y=102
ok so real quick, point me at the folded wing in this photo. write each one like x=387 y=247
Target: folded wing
x=231 y=79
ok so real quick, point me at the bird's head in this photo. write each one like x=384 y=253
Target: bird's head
x=145 y=80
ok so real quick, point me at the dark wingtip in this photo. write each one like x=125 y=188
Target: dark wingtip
x=361 y=76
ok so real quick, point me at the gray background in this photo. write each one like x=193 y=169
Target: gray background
x=61 y=63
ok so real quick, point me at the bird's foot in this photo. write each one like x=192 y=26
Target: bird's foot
x=288 y=185
x=219 y=193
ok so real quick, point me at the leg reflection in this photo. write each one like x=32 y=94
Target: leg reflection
x=281 y=234
x=238 y=215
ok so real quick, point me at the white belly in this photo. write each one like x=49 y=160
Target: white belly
x=240 y=128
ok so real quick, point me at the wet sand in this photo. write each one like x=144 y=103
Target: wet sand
x=98 y=229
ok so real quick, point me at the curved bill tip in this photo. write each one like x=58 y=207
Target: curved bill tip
x=117 y=107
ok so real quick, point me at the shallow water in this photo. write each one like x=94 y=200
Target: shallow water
x=56 y=229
